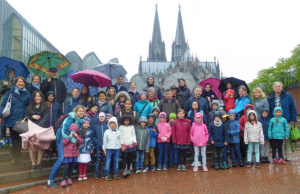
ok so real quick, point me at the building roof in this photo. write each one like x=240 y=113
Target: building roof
x=155 y=67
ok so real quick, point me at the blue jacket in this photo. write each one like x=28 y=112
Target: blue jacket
x=66 y=125
x=105 y=107
x=31 y=88
x=56 y=113
x=280 y=129
x=134 y=97
x=88 y=143
x=138 y=107
x=71 y=103
x=93 y=120
x=153 y=135
x=265 y=121
x=218 y=134
x=234 y=130
x=99 y=133
x=287 y=104
x=122 y=88
x=240 y=105
x=19 y=103
x=202 y=103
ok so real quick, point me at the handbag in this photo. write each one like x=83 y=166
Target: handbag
x=21 y=126
x=6 y=110
x=295 y=133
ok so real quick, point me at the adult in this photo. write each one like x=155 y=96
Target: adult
x=38 y=114
x=87 y=100
x=19 y=102
x=119 y=86
x=128 y=112
x=76 y=116
x=209 y=94
x=103 y=104
x=133 y=93
x=242 y=101
x=143 y=107
x=150 y=83
x=176 y=94
x=169 y=104
x=152 y=98
x=184 y=91
x=35 y=84
x=259 y=102
x=281 y=98
x=53 y=83
x=73 y=101
x=202 y=101
x=111 y=94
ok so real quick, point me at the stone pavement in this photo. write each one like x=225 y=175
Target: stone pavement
x=270 y=178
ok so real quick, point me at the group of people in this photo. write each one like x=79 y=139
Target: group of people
x=148 y=130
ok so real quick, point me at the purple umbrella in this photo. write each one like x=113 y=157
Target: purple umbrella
x=91 y=78
x=214 y=82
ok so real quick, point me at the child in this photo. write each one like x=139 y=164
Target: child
x=199 y=137
x=143 y=142
x=253 y=136
x=100 y=128
x=85 y=149
x=128 y=141
x=277 y=132
x=153 y=137
x=163 y=140
x=193 y=111
x=134 y=117
x=211 y=114
x=107 y=117
x=218 y=137
x=156 y=112
x=234 y=139
x=173 y=150
x=225 y=118
x=93 y=116
x=229 y=100
x=71 y=153
x=111 y=148
x=181 y=129
x=264 y=149
x=119 y=101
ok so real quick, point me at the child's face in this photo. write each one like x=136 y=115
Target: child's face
x=94 y=109
x=169 y=95
x=172 y=121
x=214 y=106
x=232 y=117
x=265 y=114
x=143 y=124
x=126 y=122
x=162 y=119
x=112 y=125
x=86 y=125
x=252 y=117
x=143 y=97
x=155 y=112
x=198 y=119
x=122 y=99
x=102 y=119
x=278 y=113
x=151 y=120
x=217 y=119
x=107 y=118
x=128 y=105
x=180 y=115
x=195 y=105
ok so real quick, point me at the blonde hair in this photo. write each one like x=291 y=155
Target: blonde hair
x=258 y=89
x=76 y=109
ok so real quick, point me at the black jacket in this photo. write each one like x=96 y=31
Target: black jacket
x=58 y=86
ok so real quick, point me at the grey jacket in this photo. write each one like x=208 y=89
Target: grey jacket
x=260 y=104
x=143 y=138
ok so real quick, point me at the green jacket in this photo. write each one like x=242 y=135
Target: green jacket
x=280 y=129
x=142 y=138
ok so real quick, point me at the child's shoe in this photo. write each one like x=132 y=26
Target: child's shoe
x=281 y=160
x=183 y=167
x=80 y=178
x=84 y=177
x=205 y=168
x=138 y=171
x=241 y=163
x=216 y=165
x=108 y=178
x=248 y=165
x=225 y=165
x=221 y=166
x=179 y=167
x=116 y=177
x=275 y=160
x=257 y=164
x=234 y=163
x=165 y=168
x=69 y=182
x=51 y=184
x=152 y=168
x=145 y=169
x=64 y=183
x=195 y=169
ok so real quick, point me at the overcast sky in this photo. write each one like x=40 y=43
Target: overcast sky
x=245 y=36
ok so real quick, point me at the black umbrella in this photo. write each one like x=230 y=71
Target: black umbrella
x=235 y=82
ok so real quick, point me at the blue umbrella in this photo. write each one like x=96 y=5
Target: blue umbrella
x=113 y=71
x=6 y=64
x=70 y=84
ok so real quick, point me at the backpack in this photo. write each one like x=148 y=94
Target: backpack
x=59 y=122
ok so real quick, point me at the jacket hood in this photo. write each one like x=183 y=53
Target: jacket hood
x=143 y=119
x=113 y=119
x=151 y=115
x=272 y=95
x=73 y=127
x=155 y=108
x=277 y=108
x=198 y=114
x=72 y=115
x=161 y=115
x=148 y=81
x=120 y=94
x=252 y=111
x=231 y=111
x=245 y=109
x=231 y=91
x=50 y=92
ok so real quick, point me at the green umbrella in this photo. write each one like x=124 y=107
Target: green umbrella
x=42 y=62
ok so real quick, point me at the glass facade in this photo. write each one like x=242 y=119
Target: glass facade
x=18 y=39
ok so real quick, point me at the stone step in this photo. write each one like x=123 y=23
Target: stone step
x=5 y=155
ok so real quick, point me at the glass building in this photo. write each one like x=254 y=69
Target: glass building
x=18 y=38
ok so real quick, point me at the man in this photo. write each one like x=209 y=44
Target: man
x=281 y=98
x=176 y=94
x=53 y=83
x=119 y=85
x=73 y=101
x=169 y=104
x=202 y=101
x=150 y=83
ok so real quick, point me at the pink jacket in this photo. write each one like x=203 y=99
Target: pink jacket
x=164 y=129
x=199 y=132
x=71 y=149
x=181 y=130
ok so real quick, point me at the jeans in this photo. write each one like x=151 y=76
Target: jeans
x=181 y=156
x=100 y=162
x=173 y=154
x=265 y=148
x=193 y=155
x=128 y=158
x=59 y=161
x=112 y=155
x=163 y=151
x=225 y=154
x=150 y=155
x=250 y=149
x=235 y=151
x=218 y=153
x=139 y=159
x=277 y=144
x=203 y=154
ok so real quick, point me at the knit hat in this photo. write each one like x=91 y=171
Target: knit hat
x=218 y=114
x=143 y=92
x=143 y=119
x=101 y=114
x=86 y=120
x=173 y=116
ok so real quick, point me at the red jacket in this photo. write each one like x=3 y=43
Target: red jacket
x=71 y=149
x=229 y=102
x=181 y=130
x=244 y=119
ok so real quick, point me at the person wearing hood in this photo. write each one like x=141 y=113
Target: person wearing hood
x=7 y=83
x=156 y=112
x=152 y=98
x=53 y=83
x=253 y=136
x=260 y=102
x=119 y=102
x=133 y=93
x=173 y=150
x=199 y=137
x=277 y=132
x=183 y=91
x=176 y=95
x=119 y=85
x=128 y=112
x=143 y=107
x=169 y=104
x=103 y=104
x=35 y=84
x=73 y=101
x=150 y=83
x=229 y=100
x=265 y=149
x=163 y=140
x=112 y=142
x=242 y=101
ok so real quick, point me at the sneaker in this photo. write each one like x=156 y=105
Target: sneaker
x=63 y=183
x=51 y=184
x=225 y=165
x=116 y=177
x=84 y=177
x=152 y=168
x=241 y=163
x=183 y=167
x=195 y=169
x=275 y=160
x=158 y=169
x=138 y=171
x=248 y=165
x=145 y=169
x=281 y=160
x=205 y=169
x=165 y=169
x=179 y=167
x=80 y=178
x=234 y=163
x=108 y=178
x=38 y=167
x=69 y=182
x=257 y=164
x=221 y=166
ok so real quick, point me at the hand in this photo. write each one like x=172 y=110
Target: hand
x=225 y=143
x=104 y=152
x=75 y=135
x=212 y=96
x=123 y=148
x=212 y=142
x=49 y=80
x=92 y=151
x=71 y=135
x=292 y=123
x=36 y=117
x=135 y=143
x=153 y=130
x=286 y=138
x=5 y=83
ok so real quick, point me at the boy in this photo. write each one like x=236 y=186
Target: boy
x=214 y=107
x=156 y=112
x=173 y=150
x=111 y=148
x=264 y=149
x=225 y=118
x=169 y=104
x=92 y=115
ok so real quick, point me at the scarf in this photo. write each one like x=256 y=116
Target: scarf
x=38 y=86
x=218 y=124
x=207 y=93
x=133 y=91
x=152 y=99
x=19 y=91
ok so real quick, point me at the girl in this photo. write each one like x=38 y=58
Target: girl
x=85 y=149
x=133 y=93
x=85 y=97
x=199 y=137
x=229 y=100
x=259 y=102
x=163 y=140
x=277 y=132
x=119 y=102
x=127 y=111
x=143 y=107
x=194 y=110
x=181 y=137
x=71 y=153
x=253 y=136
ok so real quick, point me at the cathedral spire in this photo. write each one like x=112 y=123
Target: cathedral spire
x=180 y=38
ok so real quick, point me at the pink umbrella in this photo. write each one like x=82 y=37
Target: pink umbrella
x=214 y=82
x=91 y=78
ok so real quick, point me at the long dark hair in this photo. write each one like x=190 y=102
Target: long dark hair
x=32 y=104
x=85 y=97
x=255 y=119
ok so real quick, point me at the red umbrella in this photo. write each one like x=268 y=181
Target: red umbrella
x=214 y=82
x=91 y=78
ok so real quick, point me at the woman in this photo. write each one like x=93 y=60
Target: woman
x=111 y=94
x=76 y=117
x=152 y=98
x=19 y=102
x=183 y=91
x=242 y=101
x=209 y=94
x=259 y=102
x=103 y=104
x=133 y=93
x=85 y=97
x=37 y=112
x=35 y=84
